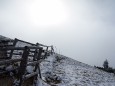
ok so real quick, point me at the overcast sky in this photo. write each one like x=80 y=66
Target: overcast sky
x=81 y=29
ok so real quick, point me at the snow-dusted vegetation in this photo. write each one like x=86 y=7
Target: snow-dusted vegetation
x=59 y=70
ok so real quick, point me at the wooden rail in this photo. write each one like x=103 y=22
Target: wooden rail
x=20 y=48
x=30 y=75
x=32 y=43
x=4 y=62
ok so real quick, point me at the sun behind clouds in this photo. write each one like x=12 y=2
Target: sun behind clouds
x=48 y=12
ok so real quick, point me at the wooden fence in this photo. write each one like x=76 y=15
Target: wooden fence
x=15 y=63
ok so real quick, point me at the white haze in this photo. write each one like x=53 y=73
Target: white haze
x=81 y=29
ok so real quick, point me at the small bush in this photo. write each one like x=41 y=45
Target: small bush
x=109 y=70
x=59 y=58
x=50 y=78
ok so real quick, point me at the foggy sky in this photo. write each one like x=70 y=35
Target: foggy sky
x=81 y=29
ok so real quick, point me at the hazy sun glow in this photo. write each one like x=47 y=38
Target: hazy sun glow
x=48 y=12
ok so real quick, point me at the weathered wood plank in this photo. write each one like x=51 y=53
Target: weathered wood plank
x=20 y=48
x=34 y=62
x=20 y=54
x=30 y=75
x=9 y=61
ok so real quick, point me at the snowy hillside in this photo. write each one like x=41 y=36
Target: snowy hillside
x=59 y=70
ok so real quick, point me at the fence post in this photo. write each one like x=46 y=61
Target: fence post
x=14 y=43
x=23 y=65
x=35 y=53
x=39 y=55
x=46 y=53
x=52 y=50
x=37 y=66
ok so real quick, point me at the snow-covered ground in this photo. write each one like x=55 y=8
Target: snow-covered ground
x=68 y=72
x=74 y=73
